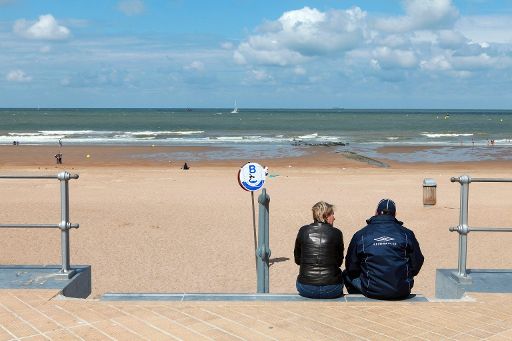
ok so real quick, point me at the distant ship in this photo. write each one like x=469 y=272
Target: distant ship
x=235 y=110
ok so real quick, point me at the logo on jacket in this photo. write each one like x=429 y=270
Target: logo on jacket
x=384 y=240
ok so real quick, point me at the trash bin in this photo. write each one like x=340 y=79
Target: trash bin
x=429 y=192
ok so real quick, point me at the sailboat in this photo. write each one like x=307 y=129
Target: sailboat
x=235 y=110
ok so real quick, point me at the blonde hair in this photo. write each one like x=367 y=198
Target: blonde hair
x=322 y=210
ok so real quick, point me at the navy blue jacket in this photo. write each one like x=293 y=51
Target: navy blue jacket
x=386 y=256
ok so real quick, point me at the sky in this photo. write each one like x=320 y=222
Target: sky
x=450 y=54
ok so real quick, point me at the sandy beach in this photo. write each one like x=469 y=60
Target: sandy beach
x=148 y=226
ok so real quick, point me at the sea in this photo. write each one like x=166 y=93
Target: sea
x=271 y=132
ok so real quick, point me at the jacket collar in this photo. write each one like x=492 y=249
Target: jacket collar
x=383 y=218
x=319 y=224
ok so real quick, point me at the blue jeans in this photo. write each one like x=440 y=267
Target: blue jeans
x=320 y=291
x=353 y=285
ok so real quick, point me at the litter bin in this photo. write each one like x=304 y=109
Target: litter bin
x=429 y=192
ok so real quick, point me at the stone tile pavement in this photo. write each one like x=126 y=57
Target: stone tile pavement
x=41 y=315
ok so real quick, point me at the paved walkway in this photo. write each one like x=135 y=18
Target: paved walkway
x=39 y=315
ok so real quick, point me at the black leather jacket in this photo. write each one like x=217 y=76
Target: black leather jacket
x=319 y=252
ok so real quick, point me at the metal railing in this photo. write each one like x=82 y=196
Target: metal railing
x=263 y=250
x=463 y=228
x=64 y=224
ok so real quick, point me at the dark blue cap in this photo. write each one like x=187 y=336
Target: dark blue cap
x=386 y=206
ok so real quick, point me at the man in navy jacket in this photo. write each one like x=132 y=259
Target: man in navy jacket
x=383 y=257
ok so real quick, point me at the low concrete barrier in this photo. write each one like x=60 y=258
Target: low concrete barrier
x=240 y=297
x=451 y=286
x=46 y=277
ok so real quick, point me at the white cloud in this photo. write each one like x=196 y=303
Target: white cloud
x=492 y=28
x=261 y=75
x=451 y=39
x=195 y=66
x=18 y=76
x=437 y=63
x=247 y=53
x=482 y=61
x=131 y=7
x=301 y=34
x=387 y=58
x=421 y=15
x=46 y=28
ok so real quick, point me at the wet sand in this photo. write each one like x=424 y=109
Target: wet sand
x=148 y=226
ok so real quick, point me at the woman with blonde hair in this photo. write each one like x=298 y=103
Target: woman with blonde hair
x=319 y=253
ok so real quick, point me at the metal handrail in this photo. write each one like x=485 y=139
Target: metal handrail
x=482 y=229
x=42 y=226
x=64 y=224
x=463 y=228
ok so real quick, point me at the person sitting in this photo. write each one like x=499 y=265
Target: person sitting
x=185 y=166
x=319 y=252
x=383 y=257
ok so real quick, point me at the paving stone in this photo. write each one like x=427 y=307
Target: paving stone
x=33 y=315
x=116 y=331
x=62 y=334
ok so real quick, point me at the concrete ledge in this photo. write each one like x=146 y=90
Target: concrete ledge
x=241 y=297
x=450 y=286
x=47 y=277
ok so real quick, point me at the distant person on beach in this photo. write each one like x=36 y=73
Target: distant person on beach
x=60 y=143
x=58 y=158
x=383 y=257
x=185 y=167
x=319 y=252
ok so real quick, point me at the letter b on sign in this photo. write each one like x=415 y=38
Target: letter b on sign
x=251 y=176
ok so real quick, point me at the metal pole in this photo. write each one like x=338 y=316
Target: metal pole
x=64 y=224
x=254 y=232
x=29 y=177
x=267 y=241
x=263 y=251
x=64 y=221
x=490 y=229
x=463 y=225
x=490 y=180
x=42 y=226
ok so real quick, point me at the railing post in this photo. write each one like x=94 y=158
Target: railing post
x=263 y=251
x=65 y=272
x=463 y=228
x=65 y=224
x=463 y=223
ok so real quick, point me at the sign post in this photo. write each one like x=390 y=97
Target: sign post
x=251 y=177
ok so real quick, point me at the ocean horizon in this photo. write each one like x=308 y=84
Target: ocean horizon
x=198 y=126
x=273 y=131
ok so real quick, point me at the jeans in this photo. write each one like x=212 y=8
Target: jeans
x=353 y=285
x=320 y=291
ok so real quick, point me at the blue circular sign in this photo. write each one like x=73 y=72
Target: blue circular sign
x=251 y=176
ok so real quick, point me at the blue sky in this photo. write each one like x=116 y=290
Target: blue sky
x=262 y=53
